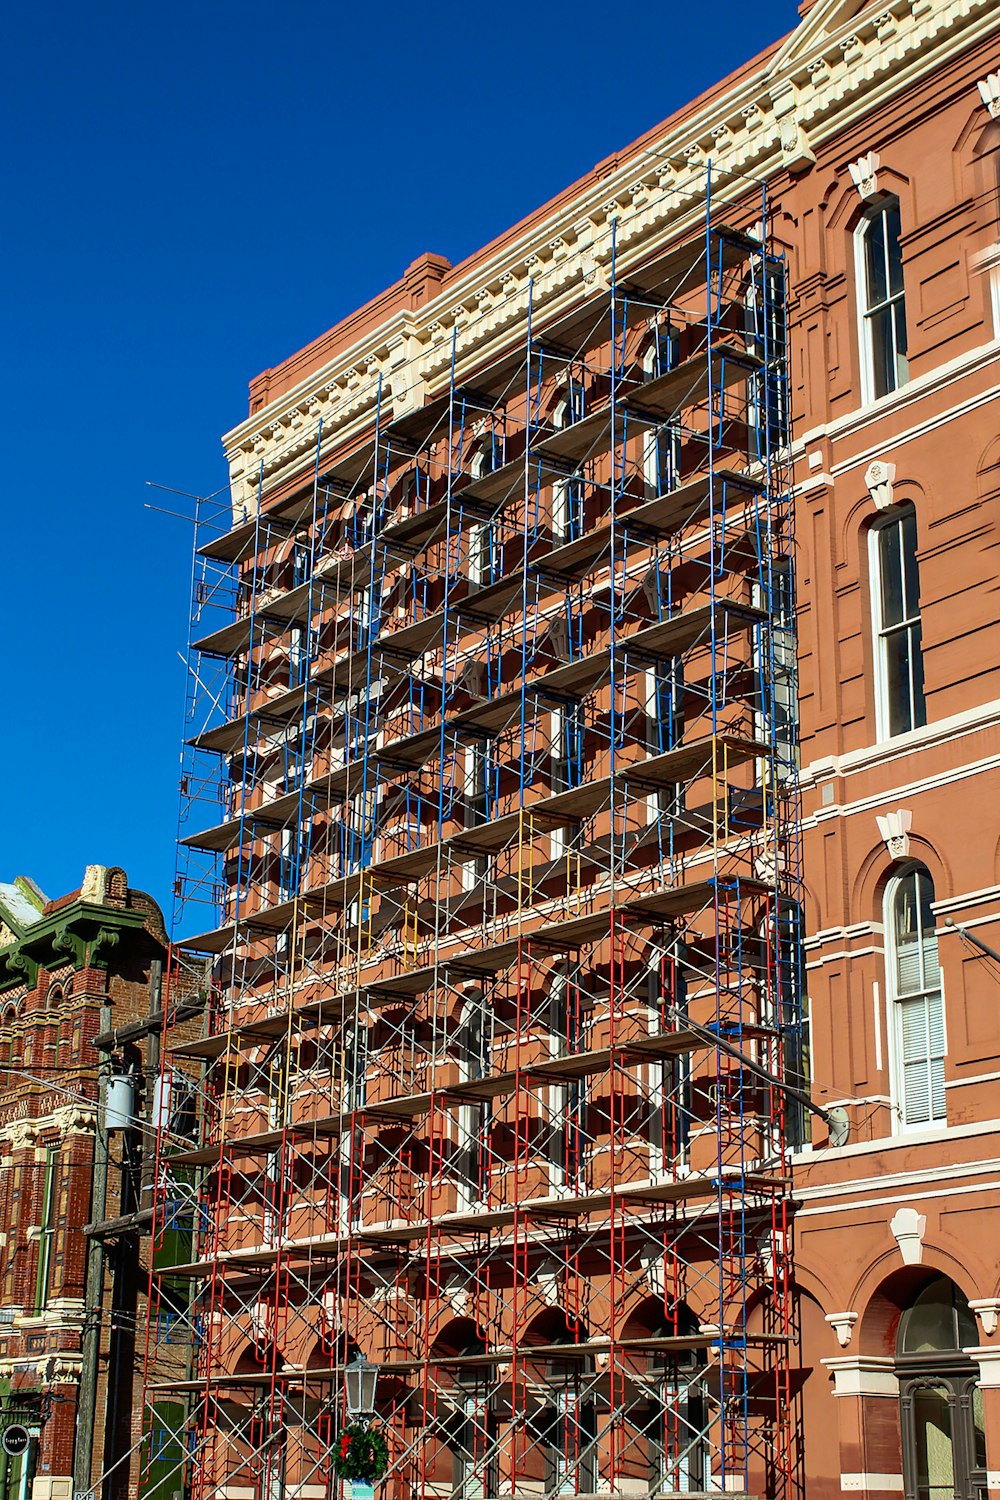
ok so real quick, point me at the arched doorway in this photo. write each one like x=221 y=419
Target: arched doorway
x=562 y=1422
x=462 y=1459
x=940 y=1405
x=671 y=1415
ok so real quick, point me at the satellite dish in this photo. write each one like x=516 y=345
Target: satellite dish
x=839 y=1123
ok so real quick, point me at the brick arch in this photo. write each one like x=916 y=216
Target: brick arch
x=862 y=514
x=458 y=1334
x=553 y=1325
x=811 y=1282
x=648 y=1312
x=886 y=1296
x=878 y=867
x=988 y=472
x=812 y=908
x=848 y=208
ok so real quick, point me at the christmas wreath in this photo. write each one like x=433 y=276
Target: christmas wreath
x=361 y=1453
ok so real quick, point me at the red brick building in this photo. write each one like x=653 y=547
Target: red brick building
x=70 y=969
x=511 y=656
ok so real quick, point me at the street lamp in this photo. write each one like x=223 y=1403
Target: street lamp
x=360 y=1379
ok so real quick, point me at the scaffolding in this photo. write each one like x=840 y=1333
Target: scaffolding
x=490 y=803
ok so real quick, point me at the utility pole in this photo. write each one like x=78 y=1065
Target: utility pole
x=94 y=1292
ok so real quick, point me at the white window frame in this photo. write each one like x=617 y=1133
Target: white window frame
x=865 y=344
x=562 y=507
x=654 y=436
x=882 y=632
x=895 y=1002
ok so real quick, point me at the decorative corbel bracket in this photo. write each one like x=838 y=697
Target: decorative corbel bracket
x=842 y=1324
x=99 y=955
x=796 y=151
x=20 y=963
x=65 y=941
x=987 y=1310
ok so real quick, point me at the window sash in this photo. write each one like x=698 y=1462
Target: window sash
x=914 y=979
x=898 y=629
x=882 y=300
x=920 y=1032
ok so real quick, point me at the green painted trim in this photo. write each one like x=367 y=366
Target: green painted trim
x=84 y=932
x=47 y=1235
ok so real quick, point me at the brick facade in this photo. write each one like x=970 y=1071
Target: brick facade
x=51 y=1009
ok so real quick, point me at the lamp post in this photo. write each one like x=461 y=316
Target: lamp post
x=360 y=1380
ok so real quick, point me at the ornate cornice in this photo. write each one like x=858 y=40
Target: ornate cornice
x=807 y=91
x=80 y=934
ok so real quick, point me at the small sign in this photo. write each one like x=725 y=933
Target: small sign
x=15 y=1440
x=361 y=1491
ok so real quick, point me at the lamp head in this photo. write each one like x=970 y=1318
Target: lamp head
x=360 y=1380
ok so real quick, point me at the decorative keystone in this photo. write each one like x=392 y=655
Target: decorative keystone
x=908 y=1228
x=989 y=90
x=879 y=479
x=864 y=175
x=895 y=830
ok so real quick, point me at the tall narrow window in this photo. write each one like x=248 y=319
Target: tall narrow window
x=775 y=662
x=567 y=765
x=767 y=338
x=899 y=662
x=568 y=495
x=881 y=301
x=915 y=998
x=47 y=1230
x=477 y=785
x=661 y=444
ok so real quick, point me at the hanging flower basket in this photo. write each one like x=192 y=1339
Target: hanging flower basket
x=361 y=1454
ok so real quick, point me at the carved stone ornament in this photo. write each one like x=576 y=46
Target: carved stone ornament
x=908 y=1229
x=864 y=175
x=796 y=152
x=989 y=89
x=987 y=1310
x=879 y=479
x=895 y=830
x=842 y=1324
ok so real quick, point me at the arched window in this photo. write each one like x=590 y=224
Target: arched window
x=881 y=302
x=941 y=1406
x=916 y=1004
x=561 y=1427
x=899 y=663
x=465 y=1430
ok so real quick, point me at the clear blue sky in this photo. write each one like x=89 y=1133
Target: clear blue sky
x=193 y=192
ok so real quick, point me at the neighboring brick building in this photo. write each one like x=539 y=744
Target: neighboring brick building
x=498 y=543
x=69 y=970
